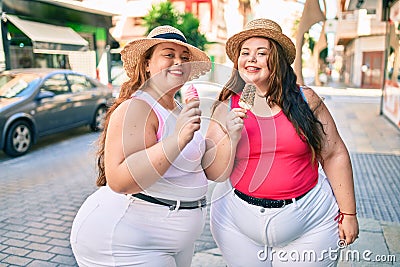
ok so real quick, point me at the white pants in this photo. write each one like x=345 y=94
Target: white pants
x=112 y=230
x=303 y=233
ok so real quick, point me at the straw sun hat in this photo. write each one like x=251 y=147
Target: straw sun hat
x=133 y=51
x=261 y=28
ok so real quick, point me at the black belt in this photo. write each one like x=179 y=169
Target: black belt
x=266 y=203
x=173 y=204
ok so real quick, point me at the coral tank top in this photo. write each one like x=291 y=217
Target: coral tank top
x=271 y=160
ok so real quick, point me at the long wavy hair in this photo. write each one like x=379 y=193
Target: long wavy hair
x=285 y=93
x=127 y=89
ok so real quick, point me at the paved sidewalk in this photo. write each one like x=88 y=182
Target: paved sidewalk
x=39 y=198
x=374 y=146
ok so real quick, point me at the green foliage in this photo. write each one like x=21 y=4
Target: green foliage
x=295 y=27
x=189 y=25
x=310 y=41
x=165 y=14
x=324 y=54
x=161 y=14
x=311 y=44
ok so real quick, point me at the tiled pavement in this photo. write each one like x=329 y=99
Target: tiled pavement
x=36 y=214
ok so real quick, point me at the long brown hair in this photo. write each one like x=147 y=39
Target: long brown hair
x=283 y=92
x=140 y=76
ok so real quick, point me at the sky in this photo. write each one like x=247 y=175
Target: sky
x=282 y=11
x=331 y=7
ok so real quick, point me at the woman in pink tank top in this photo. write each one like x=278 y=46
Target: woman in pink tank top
x=267 y=138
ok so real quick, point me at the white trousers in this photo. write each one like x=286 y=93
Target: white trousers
x=303 y=233
x=111 y=229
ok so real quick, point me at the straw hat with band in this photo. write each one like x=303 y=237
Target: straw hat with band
x=261 y=28
x=134 y=50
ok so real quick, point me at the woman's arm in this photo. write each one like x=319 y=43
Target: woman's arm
x=134 y=159
x=337 y=166
x=223 y=135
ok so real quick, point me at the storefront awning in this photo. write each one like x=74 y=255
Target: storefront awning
x=50 y=37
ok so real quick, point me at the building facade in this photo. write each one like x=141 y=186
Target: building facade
x=368 y=32
x=53 y=34
x=361 y=31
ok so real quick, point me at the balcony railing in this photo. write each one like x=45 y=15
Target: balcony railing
x=354 y=24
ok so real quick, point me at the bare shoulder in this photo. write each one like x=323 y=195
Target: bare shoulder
x=313 y=99
x=222 y=109
x=132 y=109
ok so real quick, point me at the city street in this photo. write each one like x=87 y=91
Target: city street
x=347 y=51
x=39 y=196
x=41 y=192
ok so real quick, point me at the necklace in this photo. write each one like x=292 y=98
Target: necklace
x=259 y=95
x=263 y=98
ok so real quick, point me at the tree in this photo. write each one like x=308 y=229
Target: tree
x=189 y=25
x=161 y=14
x=165 y=14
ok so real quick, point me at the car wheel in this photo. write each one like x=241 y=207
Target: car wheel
x=98 y=119
x=18 y=139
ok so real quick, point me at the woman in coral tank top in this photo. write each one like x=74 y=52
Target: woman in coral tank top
x=276 y=208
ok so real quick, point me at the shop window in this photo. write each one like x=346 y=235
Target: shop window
x=25 y=61
x=21 y=57
x=51 y=61
x=41 y=61
x=60 y=62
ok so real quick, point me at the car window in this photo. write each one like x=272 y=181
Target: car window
x=16 y=85
x=79 y=83
x=118 y=75
x=56 y=84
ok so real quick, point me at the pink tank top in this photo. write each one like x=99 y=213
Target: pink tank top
x=272 y=161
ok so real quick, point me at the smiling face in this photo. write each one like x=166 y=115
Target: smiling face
x=252 y=61
x=166 y=66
